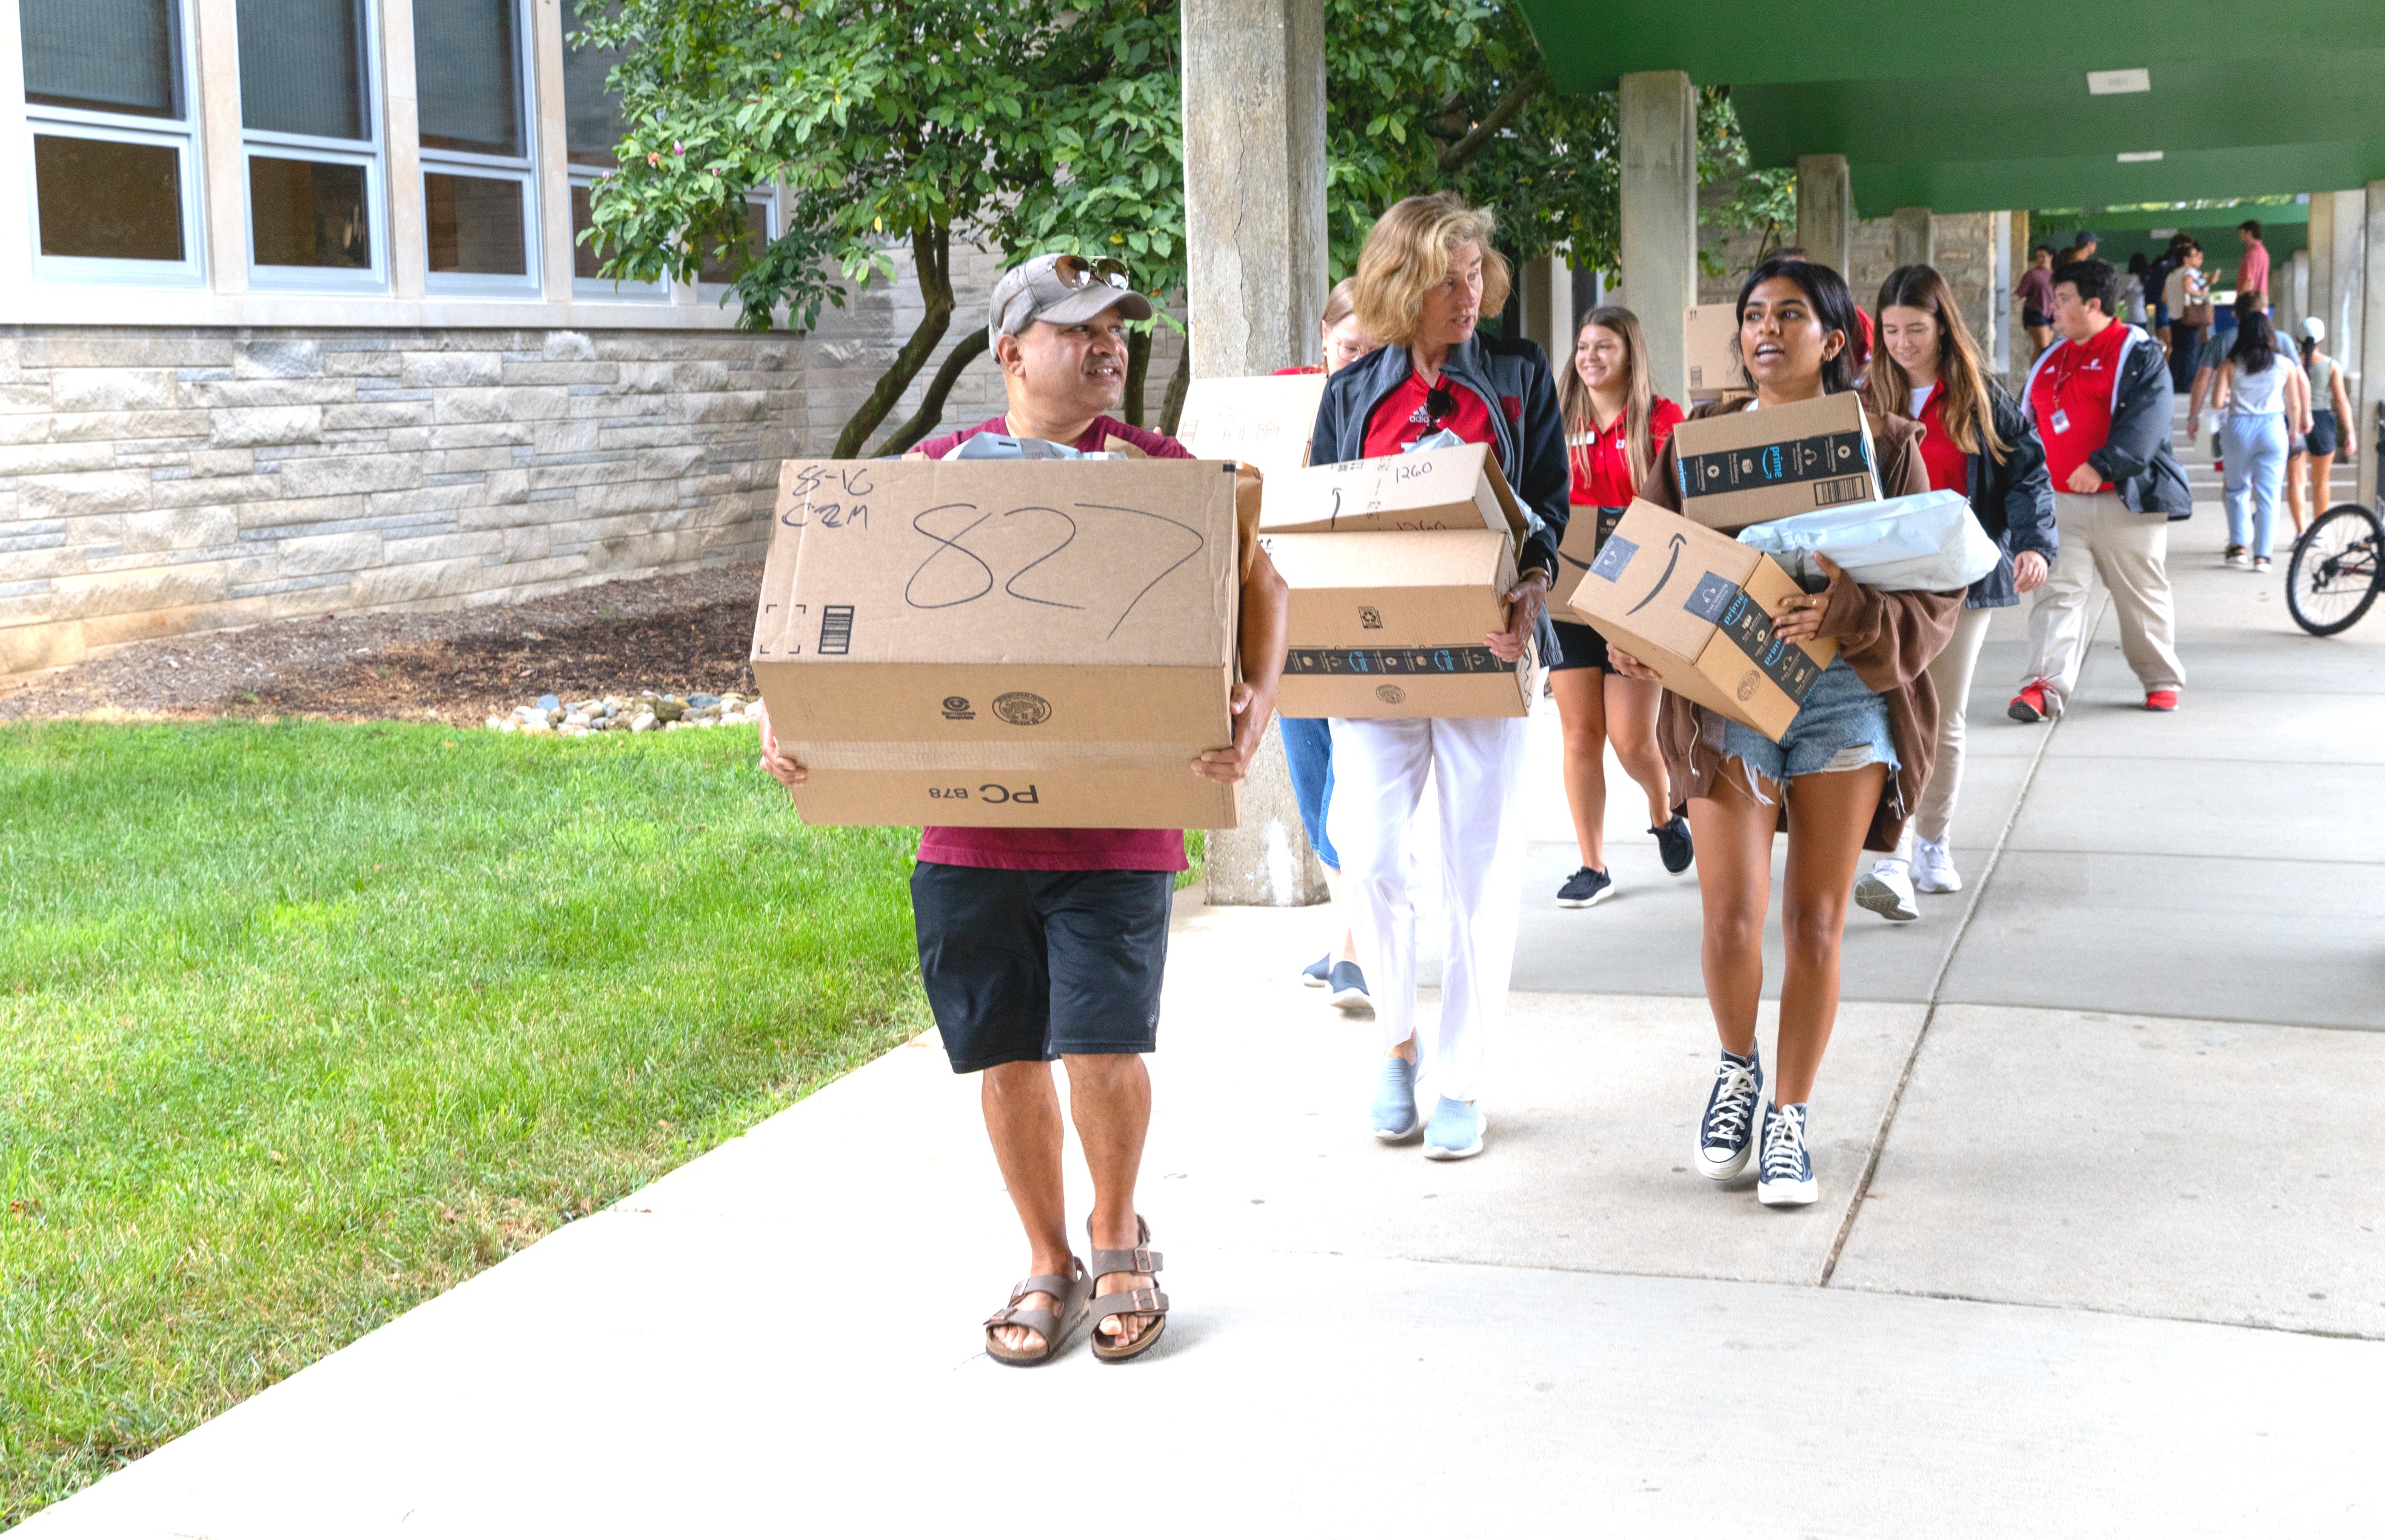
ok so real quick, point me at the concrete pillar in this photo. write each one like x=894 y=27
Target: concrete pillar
x=1548 y=306
x=2021 y=350
x=2372 y=337
x=2320 y=239
x=1825 y=209
x=1659 y=132
x=2298 y=291
x=1253 y=182
x=2348 y=297
x=2001 y=278
x=1253 y=77
x=1916 y=237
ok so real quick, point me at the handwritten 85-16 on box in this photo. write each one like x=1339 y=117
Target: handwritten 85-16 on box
x=1005 y=643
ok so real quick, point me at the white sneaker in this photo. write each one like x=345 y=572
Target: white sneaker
x=1886 y=891
x=1933 y=867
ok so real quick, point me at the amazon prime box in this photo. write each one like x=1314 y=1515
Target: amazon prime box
x=1739 y=469
x=1392 y=624
x=1696 y=607
x=1023 y=643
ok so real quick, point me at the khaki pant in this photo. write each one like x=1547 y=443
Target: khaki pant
x=1950 y=672
x=2130 y=552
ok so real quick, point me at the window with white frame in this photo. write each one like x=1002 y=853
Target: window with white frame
x=593 y=128
x=721 y=267
x=472 y=90
x=108 y=104
x=312 y=147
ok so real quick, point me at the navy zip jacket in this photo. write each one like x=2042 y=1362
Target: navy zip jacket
x=2013 y=502
x=1513 y=378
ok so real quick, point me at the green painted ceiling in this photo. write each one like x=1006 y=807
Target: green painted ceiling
x=1590 y=43
x=1984 y=105
x=2218 y=217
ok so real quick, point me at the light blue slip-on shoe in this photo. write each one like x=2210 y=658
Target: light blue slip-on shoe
x=1395 y=1113
x=1455 y=1131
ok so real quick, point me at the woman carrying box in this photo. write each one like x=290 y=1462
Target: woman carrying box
x=1844 y=774
x=1425 y=275
x=1975 y=439
x=1615 y=424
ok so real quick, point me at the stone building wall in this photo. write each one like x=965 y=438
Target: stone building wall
x=154 y=482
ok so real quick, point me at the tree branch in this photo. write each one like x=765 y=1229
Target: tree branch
x=1467 y=148
x=930 y=258
x=931 y=406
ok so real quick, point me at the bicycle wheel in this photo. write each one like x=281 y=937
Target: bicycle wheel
x=2334 y=573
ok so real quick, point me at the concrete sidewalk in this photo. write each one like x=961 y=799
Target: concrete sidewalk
x=2098 y=1252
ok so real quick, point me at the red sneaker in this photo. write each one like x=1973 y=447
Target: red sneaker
x=2030 y=705
x=2161 y=700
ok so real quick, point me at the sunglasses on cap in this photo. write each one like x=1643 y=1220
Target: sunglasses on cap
x=1077 y=273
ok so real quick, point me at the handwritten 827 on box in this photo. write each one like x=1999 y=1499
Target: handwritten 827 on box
x=1024 y=643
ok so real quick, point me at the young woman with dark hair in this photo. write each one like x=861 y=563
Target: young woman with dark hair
x=2260 y=406
x=1615 y=424
x=2329 y=433
x=1844 y=775
x=1975 y=439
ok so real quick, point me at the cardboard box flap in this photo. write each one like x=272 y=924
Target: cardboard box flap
x=1003 y=562
x=1264 y=421
x=1457 y=488
x=1417 y=558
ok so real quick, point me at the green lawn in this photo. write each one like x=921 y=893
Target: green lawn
x=301 y=1023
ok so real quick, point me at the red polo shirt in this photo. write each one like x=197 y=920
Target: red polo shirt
x=1403 y=417
x=1601 y=461
x=1949 y=467
x=2071 y=399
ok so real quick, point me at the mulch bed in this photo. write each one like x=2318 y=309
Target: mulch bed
x=677 y=634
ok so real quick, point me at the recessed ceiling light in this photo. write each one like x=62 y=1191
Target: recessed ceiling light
x=2117 y=82
x=2133 y=158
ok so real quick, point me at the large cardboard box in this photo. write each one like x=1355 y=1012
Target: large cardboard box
x=1585 y=532
x=1710 y=349
x=1696 y=607
x=1739 y=469
x=1264 y=421
x=1391 y=624
x=1457 y=488
x=931 y=633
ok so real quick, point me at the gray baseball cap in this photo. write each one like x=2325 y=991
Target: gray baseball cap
x=1041 y=289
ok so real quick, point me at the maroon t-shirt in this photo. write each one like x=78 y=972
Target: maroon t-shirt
x=1060 y=849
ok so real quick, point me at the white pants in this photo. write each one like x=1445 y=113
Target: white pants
x=1950 y=672
x=2129 y=551
x=1378 y=775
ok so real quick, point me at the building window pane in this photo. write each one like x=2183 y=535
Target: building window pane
x=593 y=124
x=586 y=260
x=466 y=76
x=308 y=214
x=475 y=224
x=101 y=197
x=725 y=268
x=302 y=67
x=109 y=56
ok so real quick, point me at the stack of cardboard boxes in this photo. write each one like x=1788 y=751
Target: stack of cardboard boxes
x=1021 y=642
x=1678 y=594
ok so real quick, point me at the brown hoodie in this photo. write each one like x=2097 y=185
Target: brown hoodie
x=1888 y=639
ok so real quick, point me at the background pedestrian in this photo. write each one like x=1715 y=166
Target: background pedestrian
x=1976 y=440
x=2260 y=405
x=2035 y=292
x=1616 y=424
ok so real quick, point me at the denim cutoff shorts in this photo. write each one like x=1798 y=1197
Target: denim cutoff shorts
x=1843 y=726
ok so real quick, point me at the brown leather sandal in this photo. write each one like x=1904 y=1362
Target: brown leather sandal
x=1055 y=1329
x=1149 y=1303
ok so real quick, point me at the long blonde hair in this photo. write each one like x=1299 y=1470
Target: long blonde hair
x=1408 y=252
x=1969 y=413
x=1639 y=395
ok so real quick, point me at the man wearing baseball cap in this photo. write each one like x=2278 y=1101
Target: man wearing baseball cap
x=1044 y=944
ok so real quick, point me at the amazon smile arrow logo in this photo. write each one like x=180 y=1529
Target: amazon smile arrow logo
x=1671 y=560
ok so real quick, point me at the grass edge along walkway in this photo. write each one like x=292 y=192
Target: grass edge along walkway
x=302 y=1023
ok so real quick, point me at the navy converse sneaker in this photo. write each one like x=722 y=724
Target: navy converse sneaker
x=1674 y=845
x=1728 y=1131
x=1584 y=888
x=1784 y=1177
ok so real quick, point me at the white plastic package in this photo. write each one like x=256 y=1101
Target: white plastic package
x=1001 y=446
x=1929 y=539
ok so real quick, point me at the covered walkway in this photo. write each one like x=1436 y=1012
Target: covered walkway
x=2099 y=1252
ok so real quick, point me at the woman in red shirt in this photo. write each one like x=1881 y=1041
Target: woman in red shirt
x=1616 y=423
